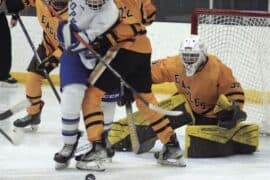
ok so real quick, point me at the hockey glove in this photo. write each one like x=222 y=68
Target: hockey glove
x=229 y=118
x=49 y=63
x=67 y=39
x=101 y=45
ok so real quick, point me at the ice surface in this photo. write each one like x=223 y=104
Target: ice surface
x=33 y=159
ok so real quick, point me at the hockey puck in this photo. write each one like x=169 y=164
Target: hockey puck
x=90 y=177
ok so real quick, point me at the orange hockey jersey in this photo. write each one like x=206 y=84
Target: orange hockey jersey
x=49 y=21
x=202 y=89
x=130 y=31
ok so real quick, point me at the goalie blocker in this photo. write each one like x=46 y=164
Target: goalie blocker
x=119 y=136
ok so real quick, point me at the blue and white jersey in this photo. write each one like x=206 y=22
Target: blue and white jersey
x=94 y=22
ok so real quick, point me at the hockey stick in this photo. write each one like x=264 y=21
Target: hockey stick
x=134 y=92
x=14 y=109
x=7 y=136
x=38 y=58
x=135 y=143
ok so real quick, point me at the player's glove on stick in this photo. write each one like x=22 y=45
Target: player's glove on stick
x=49 y=64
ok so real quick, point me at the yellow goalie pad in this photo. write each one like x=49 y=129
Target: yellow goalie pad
x=119 y=134
x=213 y=141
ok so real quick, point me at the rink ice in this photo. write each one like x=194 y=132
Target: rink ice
x=33 y=159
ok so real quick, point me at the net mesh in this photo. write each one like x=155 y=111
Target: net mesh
x=242 y=41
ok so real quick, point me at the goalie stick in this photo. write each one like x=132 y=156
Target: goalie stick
x=134 y=139
x=149 y=105
x=14 y=109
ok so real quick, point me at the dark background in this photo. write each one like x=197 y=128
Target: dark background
x=180 y=10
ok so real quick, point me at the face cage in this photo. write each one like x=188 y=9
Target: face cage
x=190 y=58
x=95 y=5
x=192 y=62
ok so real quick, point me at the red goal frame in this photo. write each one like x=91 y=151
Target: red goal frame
x=199 y=11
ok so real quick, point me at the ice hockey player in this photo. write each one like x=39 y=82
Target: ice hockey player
x=133 y=63
x=48 y=51
x=216 y=100
x=89 y=19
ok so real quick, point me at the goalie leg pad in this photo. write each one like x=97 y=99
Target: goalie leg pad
x=119 y=134
x=246 y=138
x=212 y=141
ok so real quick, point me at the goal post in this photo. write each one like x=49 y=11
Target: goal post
x=241 y=39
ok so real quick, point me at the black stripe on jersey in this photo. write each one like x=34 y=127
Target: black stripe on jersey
x=239 y=101
x=234 y=93
x=93 y=114
x=162 y=129
x=94 y=123
x=208 y=110
x=151 y=15
x=115 y=37
x=158 y=121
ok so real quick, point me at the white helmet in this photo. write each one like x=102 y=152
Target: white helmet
x=193 y=54
x=95 y=4
x=58 y=4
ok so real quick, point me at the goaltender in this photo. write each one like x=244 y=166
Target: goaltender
x=216 y=99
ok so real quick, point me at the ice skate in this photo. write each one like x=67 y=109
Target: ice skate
x=62 y=158
x=171 y=154
x=31 y=121
x=93 y=159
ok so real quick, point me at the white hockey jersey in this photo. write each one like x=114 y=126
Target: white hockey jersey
x=93 y=22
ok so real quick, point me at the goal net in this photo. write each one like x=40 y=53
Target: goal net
x=241 y=39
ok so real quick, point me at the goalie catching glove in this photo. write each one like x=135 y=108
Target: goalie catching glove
x=228 y=113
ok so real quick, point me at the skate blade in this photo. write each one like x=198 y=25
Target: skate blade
x=91 y=165
x=17 y=135
x=29 y=128
x=172 y=162
x=107 y=160
x=60 y=166
x=8 y=85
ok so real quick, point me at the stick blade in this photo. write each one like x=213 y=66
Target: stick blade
x=164 y=111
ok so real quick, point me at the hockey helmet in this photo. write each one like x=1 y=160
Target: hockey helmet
x=95 y=4
x=193 y=53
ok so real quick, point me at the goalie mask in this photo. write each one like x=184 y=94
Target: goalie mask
x=193 y=53
x=95 y=4
x=58 y=4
